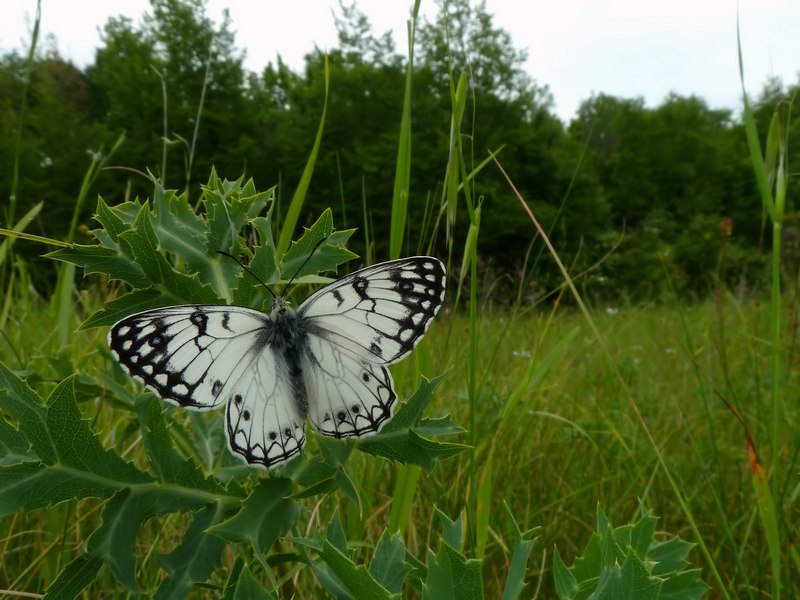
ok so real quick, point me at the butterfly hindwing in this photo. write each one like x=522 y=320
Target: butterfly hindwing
x=263 y=422
x=381 y=312
x=347 y=396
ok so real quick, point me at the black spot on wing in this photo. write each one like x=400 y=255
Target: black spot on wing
x=156 y=340
x=405 y=287
x=338 y=297
x=360 y=285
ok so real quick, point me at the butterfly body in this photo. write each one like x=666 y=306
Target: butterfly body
x=325 y=361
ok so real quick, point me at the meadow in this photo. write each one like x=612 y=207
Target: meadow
x=538 y=423
x=551 y=445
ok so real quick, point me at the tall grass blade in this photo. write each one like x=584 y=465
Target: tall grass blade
x=198 y=118
x=451 y=183
x=483 y=509
x=369 y=245
x=407 y=475
x=162 y=178
x=403 y=498
x=402 y=176
x=766 y=513
x=772 y=183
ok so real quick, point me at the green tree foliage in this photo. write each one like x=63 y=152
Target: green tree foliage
x=671 y=174
x=464 y=36
x=178 y=46
x=620 y=177
x=57 y=137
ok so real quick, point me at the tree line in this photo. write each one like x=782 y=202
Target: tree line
x=632 y=196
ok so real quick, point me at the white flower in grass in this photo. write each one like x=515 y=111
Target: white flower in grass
x=611 y=310
x=95 y=155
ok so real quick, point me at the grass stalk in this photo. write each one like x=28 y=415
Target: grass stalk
x=407 y=475
x=200 y=105
x=61 y=303
x=164 y=128
x=771 y=179
x=402 y=176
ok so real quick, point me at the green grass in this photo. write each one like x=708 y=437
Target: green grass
x=570 y=443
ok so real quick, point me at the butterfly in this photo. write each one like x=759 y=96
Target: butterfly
x=325 y=361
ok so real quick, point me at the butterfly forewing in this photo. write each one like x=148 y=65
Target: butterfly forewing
x=190 y=355
x=326 y=361
x=379 y=313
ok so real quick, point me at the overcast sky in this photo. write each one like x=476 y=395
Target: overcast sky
x=624 y=48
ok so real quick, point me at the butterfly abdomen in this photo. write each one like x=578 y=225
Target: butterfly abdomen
x=289 y=343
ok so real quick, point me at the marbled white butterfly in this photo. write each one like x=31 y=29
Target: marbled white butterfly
x=325 y=361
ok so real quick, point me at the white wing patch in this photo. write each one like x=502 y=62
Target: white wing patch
x=327 y=361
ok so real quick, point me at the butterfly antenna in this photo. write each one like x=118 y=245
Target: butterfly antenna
x=305 y=262
x=245 y=267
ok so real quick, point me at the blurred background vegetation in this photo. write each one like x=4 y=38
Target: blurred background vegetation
x=628 y=192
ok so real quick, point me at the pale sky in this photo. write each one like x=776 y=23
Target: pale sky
x=624 y=48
